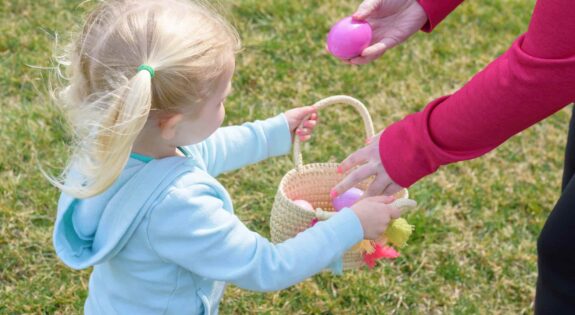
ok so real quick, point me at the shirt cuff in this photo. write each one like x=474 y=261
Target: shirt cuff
x=436 y=11
x=407 y=150
x=347 y=229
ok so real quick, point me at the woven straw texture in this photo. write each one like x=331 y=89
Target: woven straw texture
x=313 y=182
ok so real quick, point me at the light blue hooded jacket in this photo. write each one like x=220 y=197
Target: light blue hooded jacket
x=164 y=240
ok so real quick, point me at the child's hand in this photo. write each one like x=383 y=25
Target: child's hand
x=375 y=213
x=296 y=116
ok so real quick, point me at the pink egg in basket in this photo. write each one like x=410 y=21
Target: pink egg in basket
x=347 y=199
x=304 y=204
x=348 y=38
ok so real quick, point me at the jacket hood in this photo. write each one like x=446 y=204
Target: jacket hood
x=93 y=230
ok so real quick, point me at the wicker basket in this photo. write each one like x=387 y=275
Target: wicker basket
x=313 y=182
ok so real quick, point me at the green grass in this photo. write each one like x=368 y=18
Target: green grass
x=474 y=248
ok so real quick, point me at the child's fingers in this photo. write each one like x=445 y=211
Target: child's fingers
x=395 y=212
x=381 y=198
x=307 y=110
x=310 y=124
x=304 y=138
x=303 y=132
x=391 y=207
x=389 y=199
x=313 y=118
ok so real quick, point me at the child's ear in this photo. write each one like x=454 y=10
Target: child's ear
x=168 y=126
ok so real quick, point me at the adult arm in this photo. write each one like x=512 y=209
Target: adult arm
x=529 y=82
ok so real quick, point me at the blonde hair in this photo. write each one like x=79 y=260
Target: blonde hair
x=107 y=101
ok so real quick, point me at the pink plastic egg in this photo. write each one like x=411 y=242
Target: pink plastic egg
x=348 y=38
x=304 y=204
x=347 y=199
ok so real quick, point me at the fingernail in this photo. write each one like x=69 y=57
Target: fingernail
x=333 y=193
x=339 y=170
x=298 y=132
x=389 y=199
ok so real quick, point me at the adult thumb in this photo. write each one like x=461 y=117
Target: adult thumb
x=365 y=9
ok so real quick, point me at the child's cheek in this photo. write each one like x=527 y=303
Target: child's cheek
x=221 y=115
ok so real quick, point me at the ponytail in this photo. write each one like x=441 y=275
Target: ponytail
x=108 y=97
x=103 y=153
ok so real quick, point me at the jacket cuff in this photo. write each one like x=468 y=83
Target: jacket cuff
x=436 y=11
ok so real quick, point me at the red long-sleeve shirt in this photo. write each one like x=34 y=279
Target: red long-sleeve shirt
x=532 y=80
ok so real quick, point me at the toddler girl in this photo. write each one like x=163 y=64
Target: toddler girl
x=140 y=202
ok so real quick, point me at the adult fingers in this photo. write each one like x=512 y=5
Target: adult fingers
x=352 y=179
x=378 y=186
x=356 y=158
x=391 y=189
x=374 y=51
x=365 y=9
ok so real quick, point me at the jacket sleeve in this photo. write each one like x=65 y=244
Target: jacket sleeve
x=192 y=229
x=233 y=147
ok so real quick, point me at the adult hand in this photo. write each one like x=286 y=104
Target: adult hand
x=367 y=158
x=392 y=21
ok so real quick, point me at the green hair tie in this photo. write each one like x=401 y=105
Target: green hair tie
x=147 y=68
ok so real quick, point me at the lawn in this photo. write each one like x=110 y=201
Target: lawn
x=474 y=247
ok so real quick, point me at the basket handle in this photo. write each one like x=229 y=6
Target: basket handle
x=359 y=107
